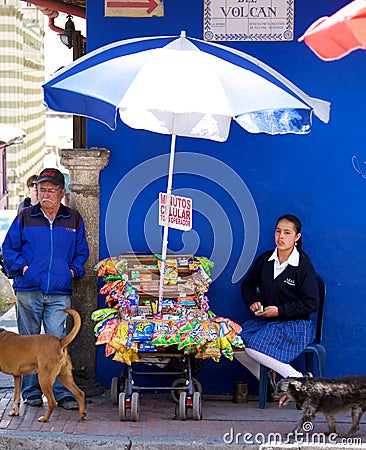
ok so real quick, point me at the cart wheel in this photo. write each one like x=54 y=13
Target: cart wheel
x=197 y=385
x=122 y=406
x=196 y=406
x=175 y=393
x=183 y=382
x=115 y=390
x=182 y=405
x=135 y=406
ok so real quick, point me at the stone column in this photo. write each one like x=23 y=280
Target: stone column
x=84 y=167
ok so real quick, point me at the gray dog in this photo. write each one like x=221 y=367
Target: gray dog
x=327 y=395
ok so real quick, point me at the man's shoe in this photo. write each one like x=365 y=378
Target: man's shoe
x=34 y=400
x=68 y=403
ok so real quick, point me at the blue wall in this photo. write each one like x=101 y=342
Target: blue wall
x=249 y=180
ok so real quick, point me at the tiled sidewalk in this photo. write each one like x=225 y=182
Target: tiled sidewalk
x=222 y=420
x=223 y=423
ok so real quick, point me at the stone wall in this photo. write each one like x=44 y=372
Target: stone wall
x=85 y=166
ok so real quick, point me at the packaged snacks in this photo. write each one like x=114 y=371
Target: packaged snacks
x=111 y=266
x=109 y=350
x=190 y=333
x=225 y=347
x=193 y=264
x=102 y=314
x=146 y=347
x=158 y=337
x=172 y=336
x=182 y=320
x=211 y=349
x=128 y=356
x=142 y=331
x=170 y=272
x=182 y=262
x=105 y=267
x=108 y=331
x=237 y=342
x=206 y=264
x=121 y=338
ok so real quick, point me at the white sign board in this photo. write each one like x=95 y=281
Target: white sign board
x=180 y=214
x=249 y=20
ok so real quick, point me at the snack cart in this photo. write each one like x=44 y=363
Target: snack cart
x=174 y=339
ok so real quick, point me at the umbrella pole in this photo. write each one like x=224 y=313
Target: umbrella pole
x=166 y=222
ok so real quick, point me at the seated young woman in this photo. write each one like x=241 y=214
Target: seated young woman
x=281 y=291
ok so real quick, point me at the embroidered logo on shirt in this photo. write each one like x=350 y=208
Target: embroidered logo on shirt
x=73 y=230
x=290 y=282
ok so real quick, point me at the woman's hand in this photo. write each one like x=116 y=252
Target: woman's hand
x=257 y=306
x=270 y=311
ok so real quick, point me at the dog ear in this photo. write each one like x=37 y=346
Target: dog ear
x=296 y=385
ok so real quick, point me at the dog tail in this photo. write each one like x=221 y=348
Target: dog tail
x=75 y=329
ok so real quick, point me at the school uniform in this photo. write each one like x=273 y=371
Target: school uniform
x=292 y=287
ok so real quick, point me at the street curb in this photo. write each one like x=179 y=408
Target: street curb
x=58 y=441
x=15 y=440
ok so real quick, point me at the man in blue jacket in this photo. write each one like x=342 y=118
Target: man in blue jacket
x=44 y=250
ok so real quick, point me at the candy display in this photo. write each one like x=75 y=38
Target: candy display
x=131 y=323
x=170 y=272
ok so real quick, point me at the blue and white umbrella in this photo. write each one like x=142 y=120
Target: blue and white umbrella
x=183 y=87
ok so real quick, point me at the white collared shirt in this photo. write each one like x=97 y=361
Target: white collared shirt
x=278 y=268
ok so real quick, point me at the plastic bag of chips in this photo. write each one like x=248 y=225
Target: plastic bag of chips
x=142 y=331
x=121 y=337
x=108 y=331
x=102 y=314
x=128 y=356
x=170 y=272
x=172 y=336
x=158 y=337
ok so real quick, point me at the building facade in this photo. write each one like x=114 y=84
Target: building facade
x=21 y=96
x=319 y=177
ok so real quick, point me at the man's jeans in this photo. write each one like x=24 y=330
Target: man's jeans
x=35 y=309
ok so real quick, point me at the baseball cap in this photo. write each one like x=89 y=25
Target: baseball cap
x=54 y=176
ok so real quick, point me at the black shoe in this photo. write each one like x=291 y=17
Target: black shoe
x=308 y=375
x=68 y=403
x=34 y=400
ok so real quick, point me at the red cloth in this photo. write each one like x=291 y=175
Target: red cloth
x=333 y=37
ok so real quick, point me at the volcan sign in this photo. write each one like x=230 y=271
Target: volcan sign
x=180 y=214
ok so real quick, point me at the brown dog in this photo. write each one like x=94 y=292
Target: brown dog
x=327 y=395
x=43 y=354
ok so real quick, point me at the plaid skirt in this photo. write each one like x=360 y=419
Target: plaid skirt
x=283 y=341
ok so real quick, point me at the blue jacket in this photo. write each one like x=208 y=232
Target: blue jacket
x=50 y=250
